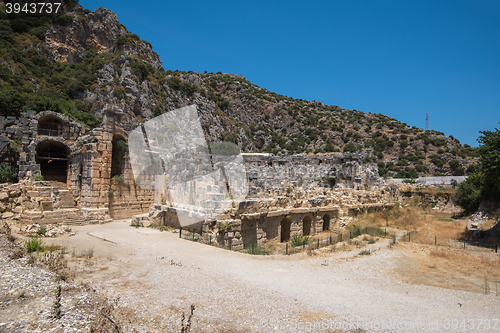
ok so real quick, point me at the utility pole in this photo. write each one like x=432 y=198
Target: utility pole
x=427 y=121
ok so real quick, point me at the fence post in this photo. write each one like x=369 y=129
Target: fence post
x=409 y=236
x=496 y=248
x=464 y=245
x=180 y=232
x=253 y=248
x=330 y=240
x=193 y=236
x=210 y=239
x=317 y=247
x=435 y=240
x=286 y=251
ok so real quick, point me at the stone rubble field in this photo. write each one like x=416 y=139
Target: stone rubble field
x=28 y=294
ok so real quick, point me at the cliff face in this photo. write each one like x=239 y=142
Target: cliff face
x=94 y=30
x=78 y=62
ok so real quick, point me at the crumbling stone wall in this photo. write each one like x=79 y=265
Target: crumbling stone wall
x=279 y=217
x=25 y=134
x=267 y=173
x=85 y=159
x=100 y=193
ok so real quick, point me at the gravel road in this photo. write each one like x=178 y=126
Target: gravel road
x=154 y=277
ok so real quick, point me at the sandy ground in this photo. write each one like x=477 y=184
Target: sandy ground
x=153 y=277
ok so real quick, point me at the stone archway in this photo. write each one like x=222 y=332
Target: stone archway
x=306 y=225
x=52 y=156
x=286 y=223
x=326 y=222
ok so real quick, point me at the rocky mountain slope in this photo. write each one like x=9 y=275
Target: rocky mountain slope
x=78 y=61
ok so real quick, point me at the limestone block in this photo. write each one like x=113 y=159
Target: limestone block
x=278 y=213
x=254 y=216
x=32 y=214
x=7 y=215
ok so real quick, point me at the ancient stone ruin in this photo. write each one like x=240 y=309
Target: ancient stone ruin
x=85 y=173
x=88 y=178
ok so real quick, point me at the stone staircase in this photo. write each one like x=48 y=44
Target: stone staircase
x=73 y=217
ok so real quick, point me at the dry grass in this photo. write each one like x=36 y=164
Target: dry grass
x=436 y=190
x=444 y=265
x=427 y=225
x=449 y=268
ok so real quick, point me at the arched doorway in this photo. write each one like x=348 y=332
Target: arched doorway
x=50 y=125
x=326 y=222
x=52 y=156
x=306 y=225
x=286 y=223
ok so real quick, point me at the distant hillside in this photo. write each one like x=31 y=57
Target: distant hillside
x=78 y=61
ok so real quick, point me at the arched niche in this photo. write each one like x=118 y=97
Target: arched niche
x=326 y=222
x=306 y=225
x=50 y=125
x=119 y=151
x=286 y=223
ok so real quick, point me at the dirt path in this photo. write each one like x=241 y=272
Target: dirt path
x=155 y=277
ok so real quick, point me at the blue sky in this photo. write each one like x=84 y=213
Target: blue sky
x=399 y=58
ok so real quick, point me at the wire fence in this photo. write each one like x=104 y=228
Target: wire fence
x=288 y=248
x=416 y=237
x=314 y=243
x=317 y=243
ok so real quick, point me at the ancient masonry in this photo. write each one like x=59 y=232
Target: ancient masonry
x=87 y=178
x=87 y=173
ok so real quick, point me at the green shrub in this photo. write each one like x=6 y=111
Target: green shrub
x=119 y=92
x=37 y=178
x=118 y=178
x=256 y=249
x=33 y=245
x=224 y=148
x=8 y=173
x=299 y=239
x=436 y=159
x=365 y=253
x=121 y=40
x=6 y=31
x=63 y=19
x=468 y=193
x=42 y=230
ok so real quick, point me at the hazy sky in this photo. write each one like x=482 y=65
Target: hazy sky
x=399 y=58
